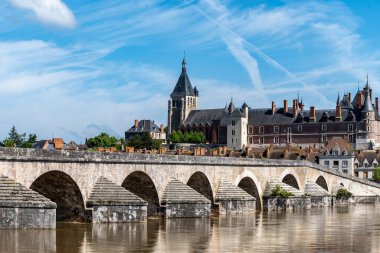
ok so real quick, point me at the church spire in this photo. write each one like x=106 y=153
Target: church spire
x=184 y=62
x=338 y=100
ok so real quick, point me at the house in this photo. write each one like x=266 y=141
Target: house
x=146 y=126
x=338 y=155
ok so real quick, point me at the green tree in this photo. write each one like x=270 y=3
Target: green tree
x=174 y=138
x=139 y=141
x=102 y=140
x=376 y=174
x=9 y=143
x=15 y=137
x=181 y=136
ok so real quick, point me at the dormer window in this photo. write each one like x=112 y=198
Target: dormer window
x=323 y=127
x=233 y=123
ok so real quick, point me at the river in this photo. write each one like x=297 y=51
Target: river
x=337 y=229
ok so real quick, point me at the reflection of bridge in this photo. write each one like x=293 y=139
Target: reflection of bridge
x=67 y=178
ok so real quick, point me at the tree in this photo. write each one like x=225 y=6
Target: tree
x=139 y=141
x=102 y=140
x=15 y=137
x=9 y=143
x=174 y=138
x=376 y=174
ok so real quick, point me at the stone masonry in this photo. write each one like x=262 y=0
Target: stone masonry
x=21 y=207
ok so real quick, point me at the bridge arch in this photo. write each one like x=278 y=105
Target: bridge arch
x=249 y=183
x=61 y=188
x=321 y=181
x=199 y=182
x=140 y=183
x=291 y=179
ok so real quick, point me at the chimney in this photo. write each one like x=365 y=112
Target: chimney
x=285 y=106
x=360 y=100
x=162 y=128
x=294 y=108
x=136 y=123
x=273 y=107
x=377 y=104
x=338 y=112
x=349 y=97
x=312 y=117
x=143 y=123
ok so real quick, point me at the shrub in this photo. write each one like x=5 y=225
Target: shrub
x=343 y=194
x=278 y=191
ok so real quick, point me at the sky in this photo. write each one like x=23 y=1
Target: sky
x=73 y=69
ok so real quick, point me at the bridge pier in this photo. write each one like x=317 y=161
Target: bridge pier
x=21 y=207
x=113 y=203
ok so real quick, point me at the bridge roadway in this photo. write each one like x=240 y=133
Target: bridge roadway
x=67 y=178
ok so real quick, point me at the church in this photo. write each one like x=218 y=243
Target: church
x=356 y=120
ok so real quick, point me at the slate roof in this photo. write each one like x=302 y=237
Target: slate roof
x=265 y=117
x=368 y=107
x=144 y=126
x=204 y=116
x=183 y=86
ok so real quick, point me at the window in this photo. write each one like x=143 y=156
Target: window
x=276 y=139
x=345 y=171
x=289 y=130
x=250 y=130
x=368 y=129
x=288 y=139
x=324 y=127
x=299 y=128
x=351 y=138
x=350 y=128
x=276 y=129
x=327 y=163
x=335 y=152
x=250 y=140
x=344 y=164
x=232 y=140
x=261 y=129
x=233 y=123
x=233 y=132
x=323 y=138
x=335 y=164
x=261 y=140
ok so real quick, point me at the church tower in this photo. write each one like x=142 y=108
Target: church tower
x=183 y=100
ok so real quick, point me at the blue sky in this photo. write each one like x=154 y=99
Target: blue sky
x=73 y=68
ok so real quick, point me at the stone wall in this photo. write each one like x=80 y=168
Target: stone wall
x=237 y=206
x=321 y=201
x=11 y=218
x=189 y=210
x=106 y=214
x=291 y=203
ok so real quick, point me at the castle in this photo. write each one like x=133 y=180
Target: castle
x=355 y=120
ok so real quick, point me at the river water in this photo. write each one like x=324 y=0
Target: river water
x=338 y=229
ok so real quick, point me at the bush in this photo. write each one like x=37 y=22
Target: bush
x=278 y=191
x=343 y=194
x=376 y=174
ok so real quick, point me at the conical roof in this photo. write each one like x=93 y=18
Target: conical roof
x=368 y=107
x=183 y=86
x=178 y=192
x=107 y=193
x=229 y=191
x=13 y=194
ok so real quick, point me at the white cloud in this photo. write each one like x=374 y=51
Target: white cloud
x=53 y=12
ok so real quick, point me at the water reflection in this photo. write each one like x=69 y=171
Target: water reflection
x=346 y=229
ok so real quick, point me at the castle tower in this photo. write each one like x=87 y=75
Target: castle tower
x=368 y=116
x=237 y=126
x=183 y=100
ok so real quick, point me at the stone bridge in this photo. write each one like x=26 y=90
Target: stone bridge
x=67 y=178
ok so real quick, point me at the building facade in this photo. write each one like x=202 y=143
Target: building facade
x=146 y=126
x=355 y=120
